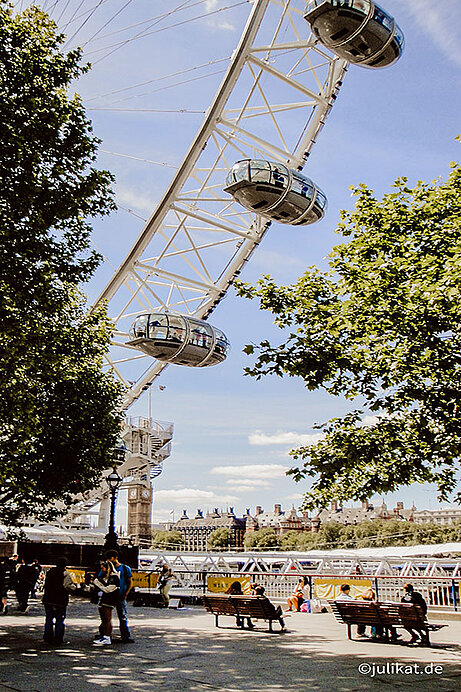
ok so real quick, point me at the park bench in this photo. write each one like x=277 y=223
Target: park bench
x=241 y=607
x=412 y=617
x=388 y=616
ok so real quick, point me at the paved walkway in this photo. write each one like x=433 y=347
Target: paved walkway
x=182 y=651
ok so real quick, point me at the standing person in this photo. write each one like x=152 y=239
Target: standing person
x=126 y=583
x=58 y=583
x=165 y=582
x=26 y=578
x=108 y=582
x=5 y=581
x=298 y=596
x=412 y=596
x=38 y=568
x=14 y=564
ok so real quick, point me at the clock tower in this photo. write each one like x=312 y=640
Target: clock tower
x=139 y=511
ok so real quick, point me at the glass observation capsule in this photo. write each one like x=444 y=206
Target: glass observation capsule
x=179 y=339
x=276 y=192
x=357 y=30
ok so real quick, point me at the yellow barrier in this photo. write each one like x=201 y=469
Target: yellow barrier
x=221 y=584
x=330 y=588
x=142 y=580
x=78 y=575
x=145 y=580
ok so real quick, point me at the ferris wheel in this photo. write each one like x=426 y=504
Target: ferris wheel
x=258 y=132
x=241 y=173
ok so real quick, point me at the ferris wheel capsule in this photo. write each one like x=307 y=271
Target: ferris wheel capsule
x=357 y=30
x=276 y=192
x=179 y=339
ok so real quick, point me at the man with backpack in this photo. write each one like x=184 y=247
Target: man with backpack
x=26 y=578
x=126 y=582
x=58 y=583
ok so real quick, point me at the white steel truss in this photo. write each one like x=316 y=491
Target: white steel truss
x=272 y=103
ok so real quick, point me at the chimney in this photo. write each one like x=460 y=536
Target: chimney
x=199 y=514
x=365 y=504
x=399 y=505
x=334 y=505
x=231 y=510
x=259 y=510
x=247 y=511
x=184 y=514
x=277 y=509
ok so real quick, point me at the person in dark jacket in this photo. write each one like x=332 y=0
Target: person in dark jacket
x=5 y=584
x=412 y=596
x=26 y=578
x=58 y=583
x=108 y=583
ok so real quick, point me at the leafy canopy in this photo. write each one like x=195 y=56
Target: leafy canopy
x=59 y=415
x=220 y=538
x=382 y=329
x=166 y=539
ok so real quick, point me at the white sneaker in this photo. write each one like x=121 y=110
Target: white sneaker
x=102 y=641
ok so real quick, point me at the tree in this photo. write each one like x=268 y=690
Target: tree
x=167 y=539
x=382 y=329
x=59 y=413
x=290 y=540
x=263 y=538
x=220 y=538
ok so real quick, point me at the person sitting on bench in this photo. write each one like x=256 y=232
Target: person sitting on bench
x=259 y=591
x=412 y=596
x=235 y=589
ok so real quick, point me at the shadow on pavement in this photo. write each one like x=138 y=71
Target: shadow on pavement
x=183 y=651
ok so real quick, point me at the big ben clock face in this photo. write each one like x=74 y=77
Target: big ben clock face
x=133 y=494
x=145 y=493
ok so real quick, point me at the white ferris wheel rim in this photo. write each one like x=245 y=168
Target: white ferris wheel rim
x=190 y=223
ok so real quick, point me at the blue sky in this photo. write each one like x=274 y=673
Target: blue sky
x=232 y=434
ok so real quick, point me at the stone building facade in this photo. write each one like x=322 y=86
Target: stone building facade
x=196 y=531
x=445 y=516
x=366 y=512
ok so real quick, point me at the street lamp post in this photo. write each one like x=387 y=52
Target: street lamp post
x=114 y=481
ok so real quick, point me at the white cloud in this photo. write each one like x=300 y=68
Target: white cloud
x=440 y=21
x=294 y=497
x=218 y=23
x=138 y=203
x=245 y=488
x=283 y=438
x=184 y=496
x=251 y=471
x=369 y=421
x=249 y=483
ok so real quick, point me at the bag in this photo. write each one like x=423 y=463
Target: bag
x=94 y=595
x=313 y=605
x=316 y=605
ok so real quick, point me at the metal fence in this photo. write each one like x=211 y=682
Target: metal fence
x=439 y=592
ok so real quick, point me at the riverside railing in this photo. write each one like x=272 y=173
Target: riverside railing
x=440 y=593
